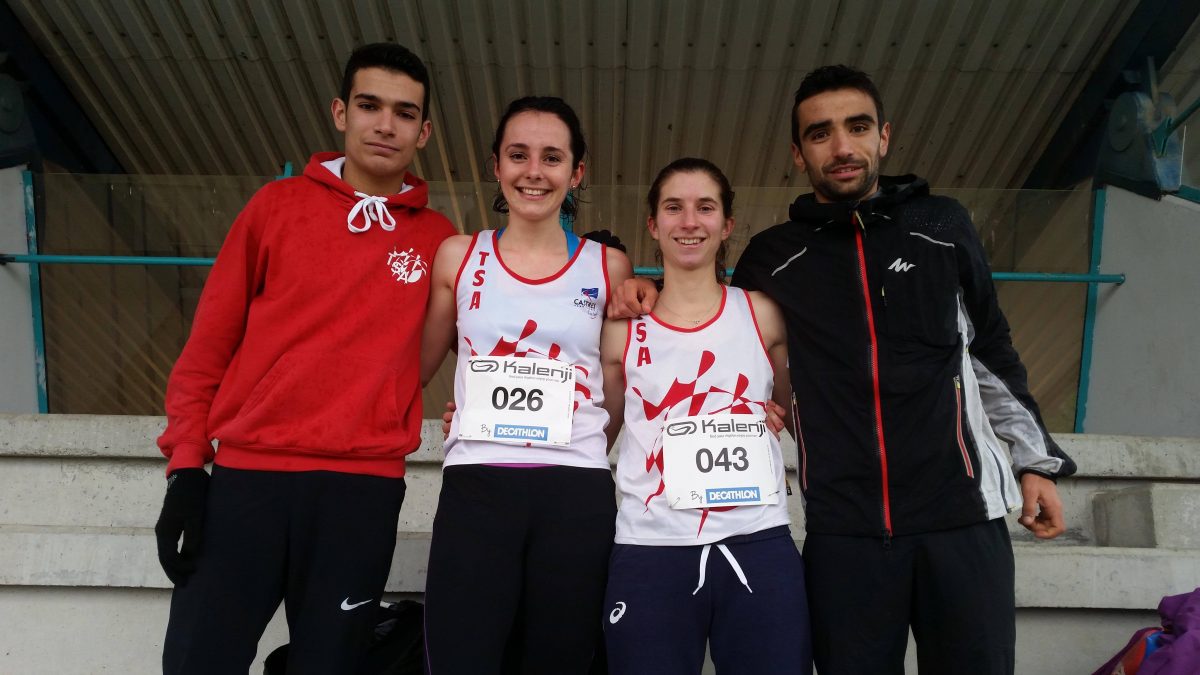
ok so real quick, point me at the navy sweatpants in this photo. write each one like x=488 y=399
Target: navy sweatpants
x=318 y=540
x=664 y=603
x=955 y=588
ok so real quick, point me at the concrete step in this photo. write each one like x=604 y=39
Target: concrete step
x=73 y=470
x=1048 y=575
x=81 y=494
x=1149 y=516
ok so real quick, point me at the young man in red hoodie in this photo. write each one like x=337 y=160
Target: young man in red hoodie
x=303 y=364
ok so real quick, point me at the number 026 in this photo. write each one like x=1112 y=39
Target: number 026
x=517 y=399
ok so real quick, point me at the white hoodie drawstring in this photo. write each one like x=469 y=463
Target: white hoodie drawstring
x=373 y=209
x=737 y=569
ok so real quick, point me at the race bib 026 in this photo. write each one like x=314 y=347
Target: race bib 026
x=518 y=400
x=718 y=460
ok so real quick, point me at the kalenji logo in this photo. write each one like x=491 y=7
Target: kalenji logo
x=681 y=428
x=484 y=366
x=407 y=266
x=901 y=266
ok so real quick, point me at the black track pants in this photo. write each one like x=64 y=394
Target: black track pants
x=517 y=570
x=320 y=541
x=954 y=587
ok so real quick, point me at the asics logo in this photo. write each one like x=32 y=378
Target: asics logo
x=900 y=266
x=347 y=606
x=617 y=613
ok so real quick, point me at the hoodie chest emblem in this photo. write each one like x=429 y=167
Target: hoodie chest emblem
x=407 y=267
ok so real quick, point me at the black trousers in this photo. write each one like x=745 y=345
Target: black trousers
x=320 y=541
x=517 y=570
x=954 y=587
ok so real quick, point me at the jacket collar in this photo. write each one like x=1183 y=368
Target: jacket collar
x=893 y=190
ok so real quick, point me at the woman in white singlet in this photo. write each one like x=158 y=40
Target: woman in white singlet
x=703 y=553
x=525 y=516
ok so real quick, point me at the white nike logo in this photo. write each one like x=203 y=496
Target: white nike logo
x=347 y=606
x=617 y=613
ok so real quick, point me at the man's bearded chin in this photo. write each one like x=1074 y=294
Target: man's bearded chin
x=836 y=191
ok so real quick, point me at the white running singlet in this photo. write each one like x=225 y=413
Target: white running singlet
x=717 y=368
x=558 y=317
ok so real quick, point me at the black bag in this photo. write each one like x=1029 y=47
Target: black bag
x=397 y=647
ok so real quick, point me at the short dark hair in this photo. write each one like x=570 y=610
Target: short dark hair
x=388 y=56
x=832 y=78
x=560 y=109
x=695 y=165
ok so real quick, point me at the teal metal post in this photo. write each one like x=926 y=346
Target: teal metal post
x=1058 y=277
x=35 y=294
x=1089 y=312
x=106 y=260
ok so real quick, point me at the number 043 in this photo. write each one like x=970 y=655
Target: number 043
x=729 y=459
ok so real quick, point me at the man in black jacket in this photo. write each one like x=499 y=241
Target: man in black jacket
x=904 y=381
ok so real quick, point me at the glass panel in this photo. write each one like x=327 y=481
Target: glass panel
x=1190 y=135
x=113 y=333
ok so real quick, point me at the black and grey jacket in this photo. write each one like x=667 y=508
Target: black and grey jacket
x=903 y=371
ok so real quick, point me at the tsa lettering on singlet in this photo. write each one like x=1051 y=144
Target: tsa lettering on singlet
x=718 y=460
x=518 y=400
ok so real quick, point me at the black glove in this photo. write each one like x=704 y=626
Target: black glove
x=607 y=238
x=182 y=514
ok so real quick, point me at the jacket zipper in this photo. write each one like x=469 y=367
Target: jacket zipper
x=958 y=409
x=800 y=439
x=873 y=357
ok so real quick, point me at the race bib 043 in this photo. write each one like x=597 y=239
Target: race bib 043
x=518 y=400
x=718 y=460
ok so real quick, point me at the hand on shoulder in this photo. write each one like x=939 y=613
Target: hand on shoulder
x=632 y=298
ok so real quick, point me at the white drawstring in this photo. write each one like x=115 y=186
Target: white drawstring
x=373 y=209
x=703 y=563
x=737 y=569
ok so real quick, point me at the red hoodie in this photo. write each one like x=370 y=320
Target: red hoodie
x=304 y=352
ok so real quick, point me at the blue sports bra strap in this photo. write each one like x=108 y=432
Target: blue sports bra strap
x=572 y=242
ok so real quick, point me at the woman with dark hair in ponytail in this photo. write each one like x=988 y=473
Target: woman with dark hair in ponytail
x=525 y=518
x=703 y=552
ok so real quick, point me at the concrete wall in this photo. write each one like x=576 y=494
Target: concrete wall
x=18 y=384
x=81 y=590
x=1145 y=364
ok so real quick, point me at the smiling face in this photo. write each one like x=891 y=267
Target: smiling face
x=383 y=129
x=689 y=222
x=535 y=166
x=841 y=144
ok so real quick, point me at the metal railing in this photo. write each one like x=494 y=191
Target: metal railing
x=34 y=259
